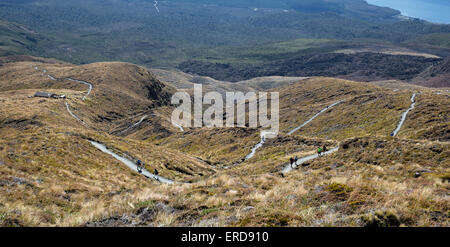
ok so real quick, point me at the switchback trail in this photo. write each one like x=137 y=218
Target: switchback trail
x=311 y=119
x=289 y=168
x=302 y=160
x=102 y=147
x=85 y=83
x=402 y=120
x=72 y=114
x=147 y=174
x=263 y=134
x=44 y=72
x=130 y=163
x=259 y=145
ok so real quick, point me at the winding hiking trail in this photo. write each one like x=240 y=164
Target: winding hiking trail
x=259 y=145
x=263 y=134
x=289 y=167
x=302 y=160
x=102 y=147
x=134 y=125
x=315 y=116
x=44 y=72
x=402 y=120
x=130 y=163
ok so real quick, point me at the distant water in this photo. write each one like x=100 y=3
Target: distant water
x=430 y=10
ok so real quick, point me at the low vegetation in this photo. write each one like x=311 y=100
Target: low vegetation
x=50 y=175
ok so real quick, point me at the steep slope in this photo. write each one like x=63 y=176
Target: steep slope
x=50 y=174
x=121 y=92
x=367 y=179
x=50 y=171
x=437 y=75
x=364 y=66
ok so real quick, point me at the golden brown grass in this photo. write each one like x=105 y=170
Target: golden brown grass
x=50 y=175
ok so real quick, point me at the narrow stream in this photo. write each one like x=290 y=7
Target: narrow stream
x=289 y=168
x=85 y=83
x=44 y=72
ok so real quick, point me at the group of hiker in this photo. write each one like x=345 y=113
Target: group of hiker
x=320 y=152
x=140 y=167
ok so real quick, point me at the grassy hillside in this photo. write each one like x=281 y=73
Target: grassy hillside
x=436 y=75
x=131 y=85
x=45 y=176
x=51 y=175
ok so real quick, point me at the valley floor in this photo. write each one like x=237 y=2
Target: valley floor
x=51 y=174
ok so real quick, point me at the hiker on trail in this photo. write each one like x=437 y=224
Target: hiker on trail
x=325 y=148
x=291 y=160
x=139 y=166
x=295 y=160
x=319 y=151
